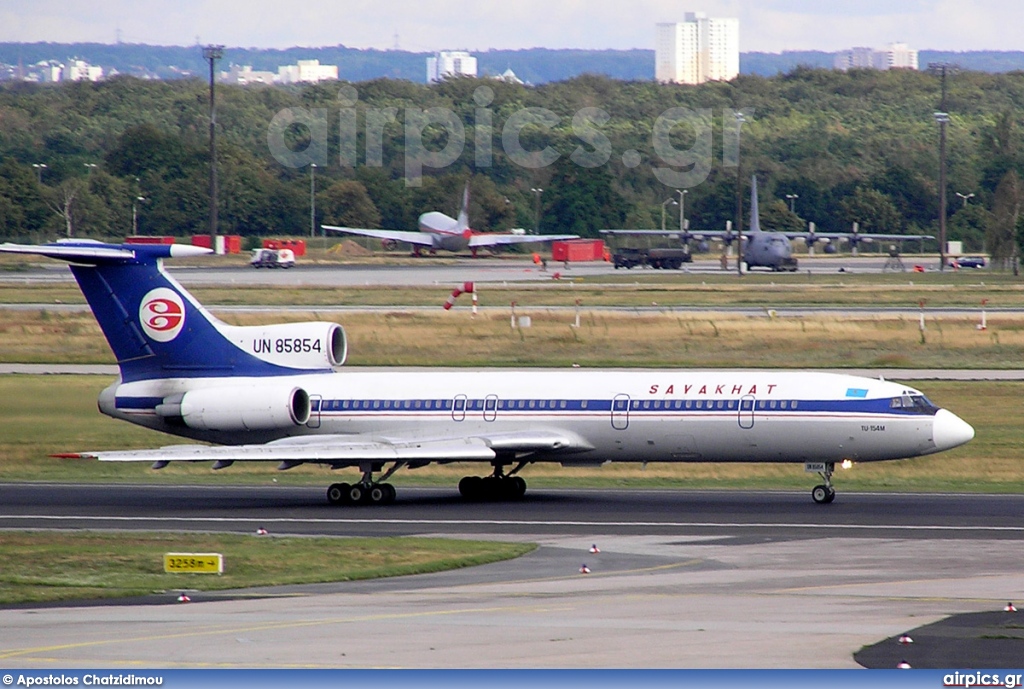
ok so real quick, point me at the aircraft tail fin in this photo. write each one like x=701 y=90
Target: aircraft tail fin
x=156 y=329
x=755 y=214
x=463 y=220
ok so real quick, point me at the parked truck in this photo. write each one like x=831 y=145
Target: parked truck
x=667 y=258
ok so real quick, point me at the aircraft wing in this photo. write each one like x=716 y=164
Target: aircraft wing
x=858 y=236
x=494 y=238
x=421 y=238
x=673 y=234
x=349 y=450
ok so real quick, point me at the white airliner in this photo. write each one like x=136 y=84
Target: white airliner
x=440 y=231
x=280 y=393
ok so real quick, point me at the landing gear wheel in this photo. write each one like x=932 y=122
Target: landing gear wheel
x=357 y=494
x=822 y=495
x=376 y=495
x=517 y=487
x=471 y=487
x=337 y=493
x=390 y=493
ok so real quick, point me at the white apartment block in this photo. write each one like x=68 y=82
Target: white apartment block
x=697 y=50
x=450 y=63
x=245 y=74
x=894 y=56
x=310 y=71
x=80 y=70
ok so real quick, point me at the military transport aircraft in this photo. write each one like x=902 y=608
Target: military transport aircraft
x=280 y=393
x=771 y=250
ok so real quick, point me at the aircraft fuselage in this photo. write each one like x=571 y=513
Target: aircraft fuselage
x=630 y=416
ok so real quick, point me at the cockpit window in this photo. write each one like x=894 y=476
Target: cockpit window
x=913 y=403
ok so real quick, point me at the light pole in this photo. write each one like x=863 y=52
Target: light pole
x=135 y=214
x=312 y=200
x=39 y=171
x=211 y=54
x=537 y=191
x=682 y=209
x=965 y=197
x=792 y=198
x=663 y=204
x=943 y=120
x=89 y=167
x=740 y=119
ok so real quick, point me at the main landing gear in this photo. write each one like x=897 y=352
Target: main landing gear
x=825 y=493
x=498 y=486
x=367 y=491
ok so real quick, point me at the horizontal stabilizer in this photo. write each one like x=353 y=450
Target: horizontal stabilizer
x=83 y=251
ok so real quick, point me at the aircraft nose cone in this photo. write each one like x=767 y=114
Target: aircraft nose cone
x=949 y=430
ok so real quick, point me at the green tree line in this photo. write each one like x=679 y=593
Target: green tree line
x=860 y=146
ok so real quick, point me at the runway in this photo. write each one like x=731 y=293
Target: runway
x=683 y=579
x=452 y=271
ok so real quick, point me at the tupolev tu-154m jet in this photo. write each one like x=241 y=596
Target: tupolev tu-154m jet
x=440 y=231
x=280 y=393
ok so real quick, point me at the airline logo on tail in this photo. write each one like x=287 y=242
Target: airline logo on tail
x=162 y=314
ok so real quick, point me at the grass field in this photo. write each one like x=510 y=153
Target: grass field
x=622 y=288
x=47 y=566
x=604 y=338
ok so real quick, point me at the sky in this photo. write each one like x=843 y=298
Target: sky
x=426 y=25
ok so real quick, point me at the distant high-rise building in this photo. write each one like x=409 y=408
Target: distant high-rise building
x=80 y=70
x=245 y=74
x=310 y=71
x=696 y=50
x=450 y=63
x=894 y=56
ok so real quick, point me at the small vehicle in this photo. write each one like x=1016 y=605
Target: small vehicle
x=968 y=262
x=272 y=258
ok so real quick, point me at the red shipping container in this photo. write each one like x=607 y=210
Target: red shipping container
x=149 y=240
x=578 y=250
x=298 y=246
x=223 y=242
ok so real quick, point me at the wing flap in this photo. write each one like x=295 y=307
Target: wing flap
x=327 y=449
x=494 y=239
x=343 y=449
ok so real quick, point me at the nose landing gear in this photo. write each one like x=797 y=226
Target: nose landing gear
x=825 y=493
